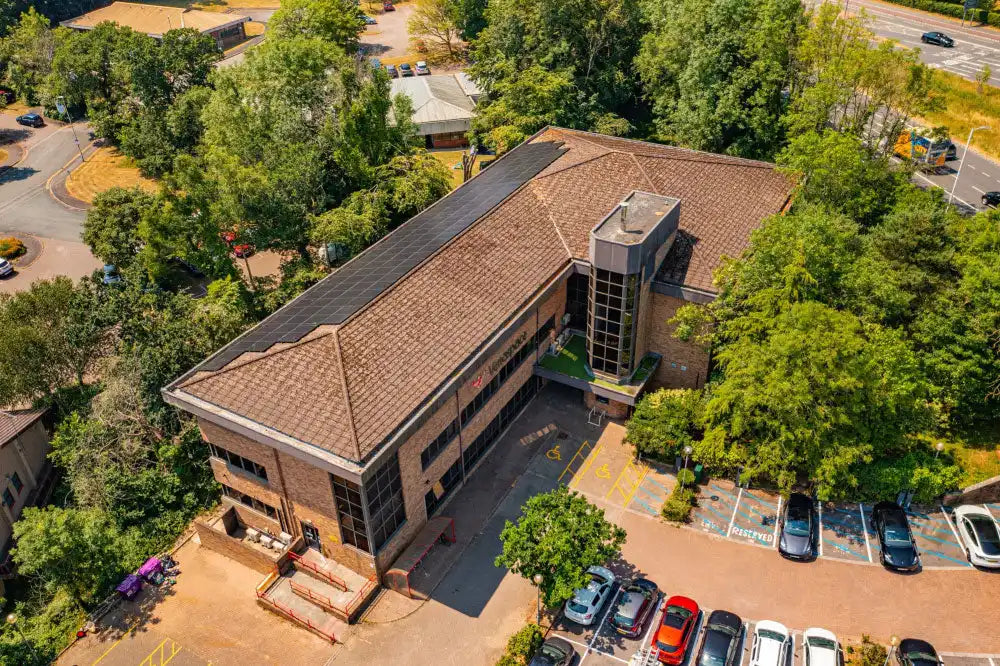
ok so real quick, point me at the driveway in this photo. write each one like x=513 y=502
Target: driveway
x=390 y=37
x=25 y=205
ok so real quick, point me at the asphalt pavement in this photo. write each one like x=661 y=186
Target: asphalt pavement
x=25 y=204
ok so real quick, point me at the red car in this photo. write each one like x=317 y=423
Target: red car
x=673 y=636
x=241 y=249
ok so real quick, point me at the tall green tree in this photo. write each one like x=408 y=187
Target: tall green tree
x=666 y=421
x=26 y=53
x=559 y=535
x=111 y=228
x=715 y=72
x=336 y=21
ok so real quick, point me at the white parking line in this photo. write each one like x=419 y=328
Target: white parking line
x=600 y=625
x=736 y=508
x=990 y=659
x=988 y=175
x=978 y=190
x=864 y=529
x=819 y=508
x=777 y=520
x=958 y=539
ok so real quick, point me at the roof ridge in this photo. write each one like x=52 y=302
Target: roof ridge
x=270 y=351
x=347 y=393
x=649 y=181
x=573 y=166
x=548 y=214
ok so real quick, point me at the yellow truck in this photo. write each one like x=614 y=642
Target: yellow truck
x=916 y=145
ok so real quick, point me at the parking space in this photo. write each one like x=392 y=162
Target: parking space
x=714 y=511
x=652 y=491
x=966 y=660
x=935 y=537
x=756 y=517
x=844 y=532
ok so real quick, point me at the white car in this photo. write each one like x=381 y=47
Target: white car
x=587 y=602
x=5 y=267
x=980 y=535
x=820 y=648
x=772 y=644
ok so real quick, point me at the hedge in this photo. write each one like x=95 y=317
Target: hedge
x=951 y=9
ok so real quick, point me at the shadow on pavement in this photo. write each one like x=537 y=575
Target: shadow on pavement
x=15 y=173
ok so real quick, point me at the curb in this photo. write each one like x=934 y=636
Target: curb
x=15 y=153
x=34 y=246
x=56 y=184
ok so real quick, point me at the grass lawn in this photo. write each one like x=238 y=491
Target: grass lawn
x=572 y=361
x=965 y=108
x=453 y=160
x=977 y=453
x=104 y=169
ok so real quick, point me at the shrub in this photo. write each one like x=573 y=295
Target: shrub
x=11 y=248
x=685 y=477
x=666 y=421
x=521 y=646
x=918 y=470
x=677 y=508
x=869 y=653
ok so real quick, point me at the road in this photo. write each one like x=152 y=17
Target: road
x=25 y=205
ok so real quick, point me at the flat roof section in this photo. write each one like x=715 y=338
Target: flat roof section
x=362 y=279
x=634 y=218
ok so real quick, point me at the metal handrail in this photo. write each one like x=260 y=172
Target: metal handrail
x=338 y=582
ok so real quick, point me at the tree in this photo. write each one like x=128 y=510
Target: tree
x=27 y=51
x=983 y=77
x=559 y=535
x=435 y=21
x=112 y=225
x=336 y=21
x=665 y=421
x=66 y=548
x=470 y=15
x=716 y=72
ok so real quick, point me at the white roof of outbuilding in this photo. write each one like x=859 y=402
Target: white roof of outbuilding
x=437 y=99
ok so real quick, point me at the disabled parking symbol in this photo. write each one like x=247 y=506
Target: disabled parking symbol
x=603 y=472
x=553 y=453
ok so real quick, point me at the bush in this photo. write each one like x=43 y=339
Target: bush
x=11 y=248
x=521 y=646
x=677 y=508
x=869 y=654
x=918 y=470
x=685 y=477
x=666 y=421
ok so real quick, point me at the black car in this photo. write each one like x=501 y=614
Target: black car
x=721 y=643
x=894 y=537
x=915 y=652
x=952 y=153
x=798 y=529
x=636 y=603
x=991 y=199
x=937 y=38
x=405 y=69
x=392 y=71
x=31 y=120
x=553 y=652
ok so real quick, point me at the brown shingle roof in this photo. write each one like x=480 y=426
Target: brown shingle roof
x=14 y=423
x=346 y=388
x=154 y=20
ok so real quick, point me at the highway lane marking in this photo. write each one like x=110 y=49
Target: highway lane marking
x=933 y=184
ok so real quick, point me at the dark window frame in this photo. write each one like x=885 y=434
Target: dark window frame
x=251 y=502
x=15 y=481
x=485 y=440
x=237 y=461
x=8 y=498
x=439 y=444
x=499 y=379
x=450 y=480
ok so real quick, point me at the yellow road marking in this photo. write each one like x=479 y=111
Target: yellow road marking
x=620 y=475
x=115 y=644
x=553 y=453
x=586 y=465
x=572 y=460
x=164 y=658
x=635 y=488
x=603 y=472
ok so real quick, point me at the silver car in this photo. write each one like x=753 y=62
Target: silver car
x=980 y=535
x=588 y=601
x=5 y=267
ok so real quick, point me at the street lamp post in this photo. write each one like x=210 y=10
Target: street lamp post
x=64 y=108
x=538 y=578
x=893 y=642
x=938 y=448
x=12 y=621
x=968 y=144
x=687 y=452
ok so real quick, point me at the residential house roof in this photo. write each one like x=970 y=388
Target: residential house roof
x=346 y=385
x=155 y=20
x=439 y=102
x=14 y=423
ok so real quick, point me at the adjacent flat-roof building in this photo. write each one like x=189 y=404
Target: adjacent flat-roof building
x=156 y=21
x=442 y=108
x=351 y=414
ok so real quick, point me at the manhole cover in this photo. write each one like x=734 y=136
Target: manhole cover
x=562 y=435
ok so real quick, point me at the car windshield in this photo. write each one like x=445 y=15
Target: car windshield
x=577 y=607
x=896 y=535
x=986 y=530
x=552 y=652
x=797 y=526
x=921 y=656
x=709 y=659
x=676 y=617
x=772 y=635
x=822 y=643
x=666 y=647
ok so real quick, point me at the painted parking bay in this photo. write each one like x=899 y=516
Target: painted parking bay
x=716 y=503
x=934 y=534
x=756 y=517
x=845 y=532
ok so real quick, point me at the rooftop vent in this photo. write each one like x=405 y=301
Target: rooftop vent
x=624 y=218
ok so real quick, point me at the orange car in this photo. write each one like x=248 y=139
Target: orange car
x=673 y=636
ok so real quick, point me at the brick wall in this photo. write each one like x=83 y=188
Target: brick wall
x=684 y=365
x=233 y=548
x=613 y=408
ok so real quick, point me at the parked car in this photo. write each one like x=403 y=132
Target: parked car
x=422 y=68
x=772 y=644
x=31 y=120
x=937 y=38
x=7 y=95
x=820 y=648
x=6 y=268
x=553 y=652
x=991 y=199
x=798 y=529
x=915 y=652
x=980 y=535
x=405 y=69
x=110 y=274
x=392 y=71
x=720 y=646
x=895 y=539
x=588 y=601
x=387 y=6
x=952 y=153
x=636 y=603
x=369 y=20
x=673 y=637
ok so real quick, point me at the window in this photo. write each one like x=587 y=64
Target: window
x=448 y=482
x=498 y=380
x=440 y=443
x=385 y=502
x=350 y=514
x=240 y=462
x=249 y=501
x=542 y=334
x=613 y=301
x=577 y=290
x=15 y=480
x=492 y=431
x=8 y=499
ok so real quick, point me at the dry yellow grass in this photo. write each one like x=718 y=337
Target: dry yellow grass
x=254 y=28
x=399 y=60
x=104 y=169
x=3 y=154
x=453 y=160
x=964 y=108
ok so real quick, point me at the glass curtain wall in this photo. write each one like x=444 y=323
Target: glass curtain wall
x=613 y=304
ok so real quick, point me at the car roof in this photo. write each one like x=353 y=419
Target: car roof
x=630 y=603
x=725 y=618
x=798 y=499
x=908 y=645
x=972 y=510
x=821 y=656
x=770 y=649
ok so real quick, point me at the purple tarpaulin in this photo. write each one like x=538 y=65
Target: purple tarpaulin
x=151 y=565
x=130 y=586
